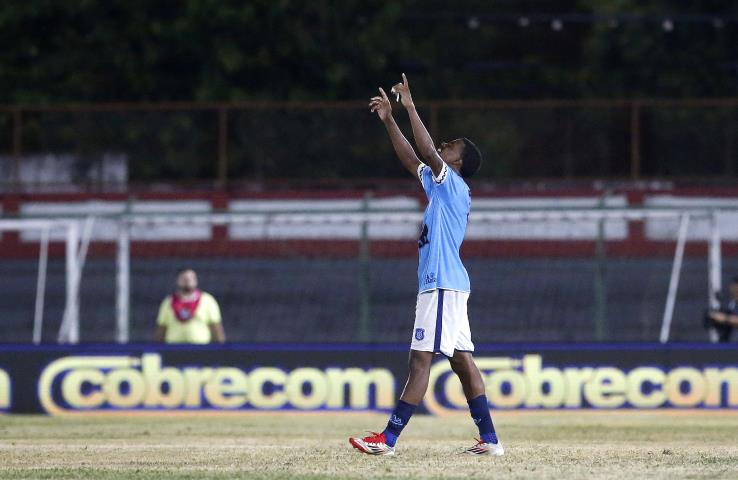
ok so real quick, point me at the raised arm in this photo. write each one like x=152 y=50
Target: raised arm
x=403 y=149
x=423 y=140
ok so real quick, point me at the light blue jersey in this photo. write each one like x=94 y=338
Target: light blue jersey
x=444 y=225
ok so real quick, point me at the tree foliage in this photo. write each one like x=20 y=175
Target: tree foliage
x=86 y=50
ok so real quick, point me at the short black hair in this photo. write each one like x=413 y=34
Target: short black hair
x=471 y=159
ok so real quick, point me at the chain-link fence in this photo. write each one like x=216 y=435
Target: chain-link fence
x=345 y=270
x=226 y=143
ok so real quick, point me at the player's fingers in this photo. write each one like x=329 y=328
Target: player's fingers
x=404 y=80
x=399 y=88
x=384 y=95
x=376 y=99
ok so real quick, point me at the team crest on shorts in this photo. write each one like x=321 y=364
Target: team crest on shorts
x=419 y=333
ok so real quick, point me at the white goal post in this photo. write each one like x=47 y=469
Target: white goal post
x=75 y=254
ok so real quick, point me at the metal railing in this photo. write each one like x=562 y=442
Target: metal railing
x=223 y=141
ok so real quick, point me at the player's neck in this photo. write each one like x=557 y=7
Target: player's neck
x=187 y=296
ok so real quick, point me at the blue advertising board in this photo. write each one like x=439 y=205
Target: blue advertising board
x=100 y=377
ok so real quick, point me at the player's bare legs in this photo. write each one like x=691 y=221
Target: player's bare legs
x=462 y=363
x=419 y=365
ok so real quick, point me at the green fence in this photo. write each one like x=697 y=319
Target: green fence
x=222 y=142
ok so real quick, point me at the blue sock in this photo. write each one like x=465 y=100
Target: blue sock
x=399 y=418
x=479 y=409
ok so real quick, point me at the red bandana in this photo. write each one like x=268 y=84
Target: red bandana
x=185 y=310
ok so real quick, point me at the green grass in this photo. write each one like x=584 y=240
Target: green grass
x=558 y=445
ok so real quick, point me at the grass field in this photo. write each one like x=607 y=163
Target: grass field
x=556 y=445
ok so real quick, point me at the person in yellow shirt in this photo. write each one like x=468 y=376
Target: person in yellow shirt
x=189 y=315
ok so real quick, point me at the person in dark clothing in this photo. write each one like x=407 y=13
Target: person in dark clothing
x=721 y=322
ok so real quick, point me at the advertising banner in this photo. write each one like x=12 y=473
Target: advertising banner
x=75 y=379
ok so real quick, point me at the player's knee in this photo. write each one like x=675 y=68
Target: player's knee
x=461 y=362
x=420 y=362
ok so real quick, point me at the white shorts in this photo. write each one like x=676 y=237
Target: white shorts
x=442 y=323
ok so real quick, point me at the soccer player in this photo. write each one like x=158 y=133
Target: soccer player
x=441 y=321
x=189 y=315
